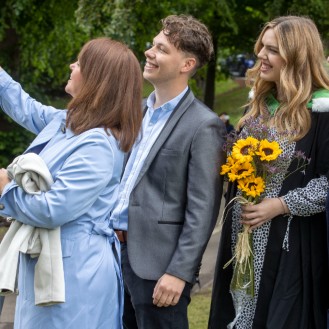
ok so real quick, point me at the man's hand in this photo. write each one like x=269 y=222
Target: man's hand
x=168 y=291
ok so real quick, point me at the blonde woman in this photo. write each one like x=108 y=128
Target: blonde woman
x=289 y=89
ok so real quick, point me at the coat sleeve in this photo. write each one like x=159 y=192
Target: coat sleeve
x=81 y=180
x=22 y=108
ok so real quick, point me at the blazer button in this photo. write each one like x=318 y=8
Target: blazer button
x=2 y=206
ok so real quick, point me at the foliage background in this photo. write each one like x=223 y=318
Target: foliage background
x=40 y=38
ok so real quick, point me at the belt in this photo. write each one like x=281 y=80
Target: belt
x=122 y=235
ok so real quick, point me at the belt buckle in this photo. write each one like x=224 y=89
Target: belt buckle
x=122 y=235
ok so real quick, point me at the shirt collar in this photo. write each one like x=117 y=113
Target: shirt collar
x=170 y=105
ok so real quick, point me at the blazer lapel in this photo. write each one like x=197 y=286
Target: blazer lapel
x=179 y=110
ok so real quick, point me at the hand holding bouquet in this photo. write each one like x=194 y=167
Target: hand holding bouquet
x=253 y=159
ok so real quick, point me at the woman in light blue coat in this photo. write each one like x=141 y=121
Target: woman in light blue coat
x=83 y=148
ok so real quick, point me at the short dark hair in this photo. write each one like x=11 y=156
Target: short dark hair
x=188 y=34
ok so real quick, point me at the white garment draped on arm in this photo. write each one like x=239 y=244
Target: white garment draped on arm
x=32 y=175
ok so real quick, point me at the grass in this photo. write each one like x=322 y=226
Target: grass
x=198 y=311
x=147 y=89
x=224 y=86
x=231 y=101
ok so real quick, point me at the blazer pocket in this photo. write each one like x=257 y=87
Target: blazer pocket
x=170 y=222
x=169 y=152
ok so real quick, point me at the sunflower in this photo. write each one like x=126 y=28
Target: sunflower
x=268 y=151
x=240 y=170
x=244 y=149
x=252 y=186
x=225 y=168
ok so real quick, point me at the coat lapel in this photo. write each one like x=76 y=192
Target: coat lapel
x=46 y=134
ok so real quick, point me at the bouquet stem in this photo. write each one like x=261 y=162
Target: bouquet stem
x=243 y=273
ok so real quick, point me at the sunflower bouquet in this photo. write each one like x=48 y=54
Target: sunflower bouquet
x=249 y=165
x=253 y=158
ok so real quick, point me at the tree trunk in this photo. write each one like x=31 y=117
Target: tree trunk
x=209 y=93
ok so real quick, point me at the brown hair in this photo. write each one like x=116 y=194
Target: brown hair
x=111 y=92
x=303 y=72
x=188 y=34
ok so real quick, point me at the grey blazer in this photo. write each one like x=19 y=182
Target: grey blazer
x=174 y=204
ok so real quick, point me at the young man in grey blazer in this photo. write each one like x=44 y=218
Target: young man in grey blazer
x=170 y=193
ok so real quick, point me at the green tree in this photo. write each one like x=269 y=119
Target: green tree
x=136 y=22
x=250 y=16
x=38 y=40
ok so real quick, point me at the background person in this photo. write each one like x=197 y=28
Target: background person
x=83 y=149
x=171 y=189
x=291 y=282
x=226 y=119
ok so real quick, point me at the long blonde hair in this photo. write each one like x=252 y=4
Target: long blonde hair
x=303 y=72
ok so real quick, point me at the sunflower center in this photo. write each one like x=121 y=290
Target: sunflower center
x=251 y=185
x=267 y=151
x=245 y=149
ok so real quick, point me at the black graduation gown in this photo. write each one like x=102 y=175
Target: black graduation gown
x=294 y=287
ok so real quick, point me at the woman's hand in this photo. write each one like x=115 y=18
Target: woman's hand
x=258 y=214
x=4 y=180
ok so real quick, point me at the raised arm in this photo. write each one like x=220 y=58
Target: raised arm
x=22 y=108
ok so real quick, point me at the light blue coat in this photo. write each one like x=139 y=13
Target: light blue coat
x=86 y=169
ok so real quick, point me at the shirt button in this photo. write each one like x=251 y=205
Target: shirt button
x=2 y=206
x=63 y=129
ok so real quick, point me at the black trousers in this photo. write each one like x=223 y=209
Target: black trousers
x=139 y=311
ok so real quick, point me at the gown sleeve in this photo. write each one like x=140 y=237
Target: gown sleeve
x=308 y=200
